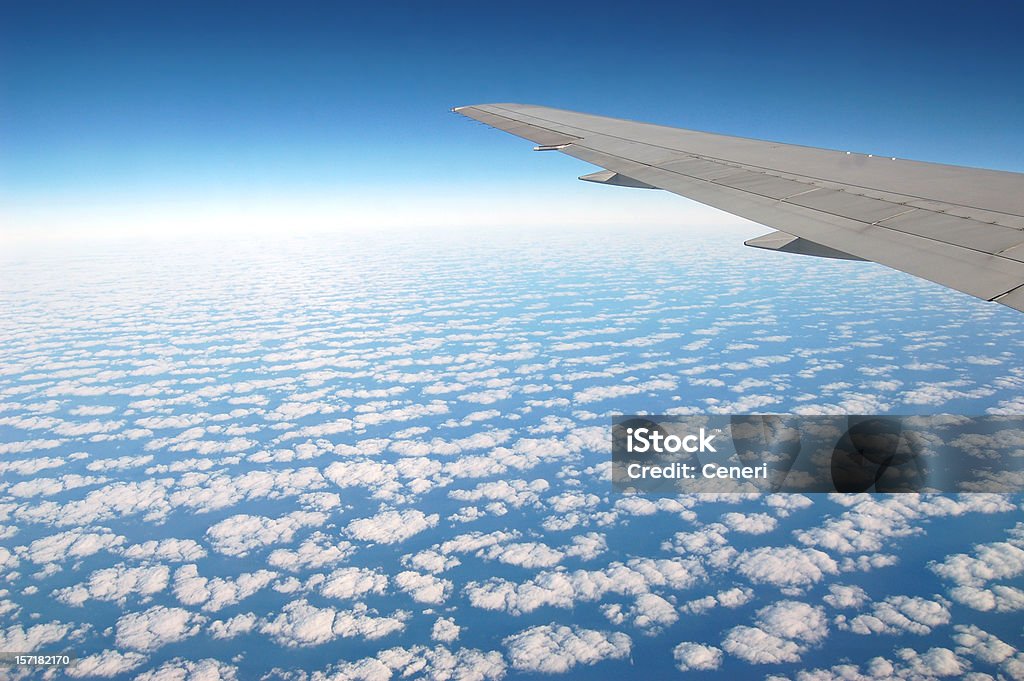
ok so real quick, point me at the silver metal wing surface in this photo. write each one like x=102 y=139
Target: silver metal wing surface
x=960 y=227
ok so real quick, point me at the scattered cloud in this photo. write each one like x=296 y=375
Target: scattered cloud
x=697 y=657
x=555 y=648
x=156 y=627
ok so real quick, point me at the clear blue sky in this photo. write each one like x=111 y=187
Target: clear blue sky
x=114 y=104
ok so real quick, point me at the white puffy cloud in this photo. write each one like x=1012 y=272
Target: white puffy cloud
x=206 y=492
x=787 y=567
x=117 y=584
x=523 y=554
x=475 y=541
x=572 y=501
x=586 y=546
x=353 y=582
x=998 y=560
x=934 y=662
x=782 y=632
x=555 y=648
x=430 y=560
x=105 y=664
x=215 y=593
x=25 y=446
x=71 y=545
x=898 y=614
x=391 y=527
x=845 y=596
x=468 y=514
x=487 y=439
x=735 y=597
x=703 y=542
x=794 y=620
x=17 y=638
x=436 y=664
x=598 y=393
x=424 y=588
x=997 y=598
x=147 y=498
x=32 y=465
x=642 y=506
x=382 y=478
x=92 y=410
x=868 y=562
x=652 y=613
x=240 y=534
x=119 y=463
x=515 y=493
x=320 y=501
x=728 y=598
x=445 y=630
x=301 y=624
x=696 y=657
x=978 y=643
x=873 y=521
x=750 y=523
x=316 y=551
x=562 y=589
x=172 y=550
x=233 y=626
x=154 y=628
x=910 y=665
x=785 y=504
x=8 y=561
x=180 y=669
x=51 y=486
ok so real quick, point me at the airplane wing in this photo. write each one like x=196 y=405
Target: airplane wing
x=960 y=227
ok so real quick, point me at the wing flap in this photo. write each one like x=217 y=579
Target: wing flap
x=787 y=243
x=615 y=179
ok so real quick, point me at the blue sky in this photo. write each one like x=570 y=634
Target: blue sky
x=128 y=109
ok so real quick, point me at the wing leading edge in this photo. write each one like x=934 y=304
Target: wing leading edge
x=959 y=227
